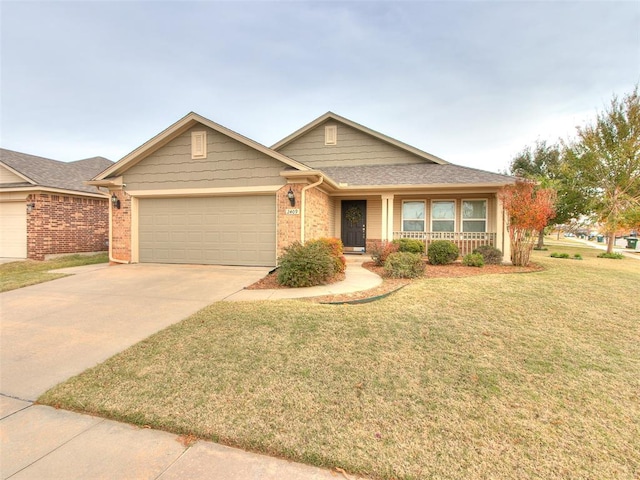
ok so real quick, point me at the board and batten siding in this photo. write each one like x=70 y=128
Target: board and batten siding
x=353 y=148
x=229 y=163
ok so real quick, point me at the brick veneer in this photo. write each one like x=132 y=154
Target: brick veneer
x=121 y=228
x=317 y=214
x=60 y=224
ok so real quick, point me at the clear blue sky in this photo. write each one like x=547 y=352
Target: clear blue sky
x=472 y=82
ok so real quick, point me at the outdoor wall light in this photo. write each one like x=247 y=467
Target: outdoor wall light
x=115 y=201
x=291 y=197
x=30 y=207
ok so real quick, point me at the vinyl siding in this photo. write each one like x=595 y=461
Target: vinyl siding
x=353 y=148
x=7 y=176
x=229 y=163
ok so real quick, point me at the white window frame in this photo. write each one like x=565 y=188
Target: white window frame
x=455 y=214
x=486 y=213
x=424 y=219
x=199 y=144
x=331 y=135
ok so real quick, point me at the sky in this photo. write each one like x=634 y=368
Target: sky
x=473 y=82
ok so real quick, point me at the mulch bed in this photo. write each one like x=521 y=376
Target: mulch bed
x=389 y=285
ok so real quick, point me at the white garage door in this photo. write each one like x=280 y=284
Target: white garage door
x=208 y=230
x=13 y=229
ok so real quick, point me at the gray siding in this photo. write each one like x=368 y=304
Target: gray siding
x=352 y=149
x=229 y=163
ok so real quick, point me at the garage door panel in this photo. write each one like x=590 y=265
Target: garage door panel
x=214 y=230
x=13 y=229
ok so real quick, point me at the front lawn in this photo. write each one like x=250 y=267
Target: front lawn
x=532 y=375
x=30 y=272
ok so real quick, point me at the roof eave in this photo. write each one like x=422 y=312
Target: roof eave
x=64 y=191
x=19 y=174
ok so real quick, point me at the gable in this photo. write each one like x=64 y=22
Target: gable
x=353 y=147
x=8 y=177
x=228 y=163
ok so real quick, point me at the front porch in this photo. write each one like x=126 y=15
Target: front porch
x=467 y=242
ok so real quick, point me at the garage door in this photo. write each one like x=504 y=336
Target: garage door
x=13 y=229
x=209 y=230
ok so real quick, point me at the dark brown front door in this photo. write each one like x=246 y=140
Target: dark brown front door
x=354 y=217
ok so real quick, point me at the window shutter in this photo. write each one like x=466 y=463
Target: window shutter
x=198 y=144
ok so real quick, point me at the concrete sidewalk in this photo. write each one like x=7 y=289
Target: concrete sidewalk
x=39 y=442
x=357 y=278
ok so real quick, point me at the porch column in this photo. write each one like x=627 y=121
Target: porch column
x=503 y=242
x=387 y=218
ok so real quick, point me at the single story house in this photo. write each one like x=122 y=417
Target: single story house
x=46 y=207
x=201 y=193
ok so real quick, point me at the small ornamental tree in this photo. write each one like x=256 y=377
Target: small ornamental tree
x=528 y=210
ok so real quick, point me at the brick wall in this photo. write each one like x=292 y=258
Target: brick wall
x=121 y=228
x=317 y=214
x=61 y=224
x=288 y=227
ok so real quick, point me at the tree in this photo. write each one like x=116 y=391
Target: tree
x=605 y=163
x=544 y=164
x=528 y=210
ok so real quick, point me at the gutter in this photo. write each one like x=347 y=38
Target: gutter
x=303 y=206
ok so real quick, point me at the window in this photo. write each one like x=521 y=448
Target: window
x=198 y=144
x=474 y=216
x=443 y=216
x=331 y=135
x=413 y=216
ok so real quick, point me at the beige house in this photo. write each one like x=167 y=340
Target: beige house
x=201 y=193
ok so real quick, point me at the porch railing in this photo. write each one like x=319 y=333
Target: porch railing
x=467 y=242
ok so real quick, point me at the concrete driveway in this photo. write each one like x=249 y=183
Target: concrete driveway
x=52 y=331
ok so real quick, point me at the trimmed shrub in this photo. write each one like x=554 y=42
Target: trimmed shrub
x=336 y=248
x=306 y=265
x=381 y=250
x=559 y=255
x=615 y=256
x=473 y=260
x=490 y=254
x=577 y=256
x=442 y=252
x=410 y=245
x=404 y=265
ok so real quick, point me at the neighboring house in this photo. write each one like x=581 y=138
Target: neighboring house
x=201 y=193
x=47 y=209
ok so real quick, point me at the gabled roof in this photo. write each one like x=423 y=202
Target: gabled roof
x=422 y=174
x=182 y=125
x=332 y=116
x=45 y=172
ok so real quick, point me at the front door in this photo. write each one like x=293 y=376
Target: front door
x=354 y=217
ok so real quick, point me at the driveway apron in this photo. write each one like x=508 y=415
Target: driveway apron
x=54 y=330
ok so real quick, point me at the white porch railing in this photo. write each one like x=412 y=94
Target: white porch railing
x=467 y=242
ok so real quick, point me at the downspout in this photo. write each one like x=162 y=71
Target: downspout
x=303 y=206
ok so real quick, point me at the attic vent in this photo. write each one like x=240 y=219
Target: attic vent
x=198 y=144
x=331 y=135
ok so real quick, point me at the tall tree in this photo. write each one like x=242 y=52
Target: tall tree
x=544 y=164
x=605 y=163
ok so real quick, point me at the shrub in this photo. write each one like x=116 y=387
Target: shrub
x=404 y=265
x=616 y=256
x=337 y=249
x=473 y=260
x=490 y=254
x=559 y=255
x=410 y=245
x=381 y=250
x=306 y=265
x=442 y=252
x=577 y=256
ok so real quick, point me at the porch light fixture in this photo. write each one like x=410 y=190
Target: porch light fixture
x=115 y=201
x=30 y=207
x=291 y=197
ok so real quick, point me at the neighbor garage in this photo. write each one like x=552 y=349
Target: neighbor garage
x=13 y=231
x=237 y=230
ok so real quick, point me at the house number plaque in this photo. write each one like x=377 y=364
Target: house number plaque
x=292 y=211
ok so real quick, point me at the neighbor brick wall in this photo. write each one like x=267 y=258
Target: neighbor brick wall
x=121 y=228
x=61 y=224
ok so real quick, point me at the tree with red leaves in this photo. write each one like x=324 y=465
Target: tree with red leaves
x=528 y=211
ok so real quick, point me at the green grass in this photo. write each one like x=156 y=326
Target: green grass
x=496 y=376
x=30 y=272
